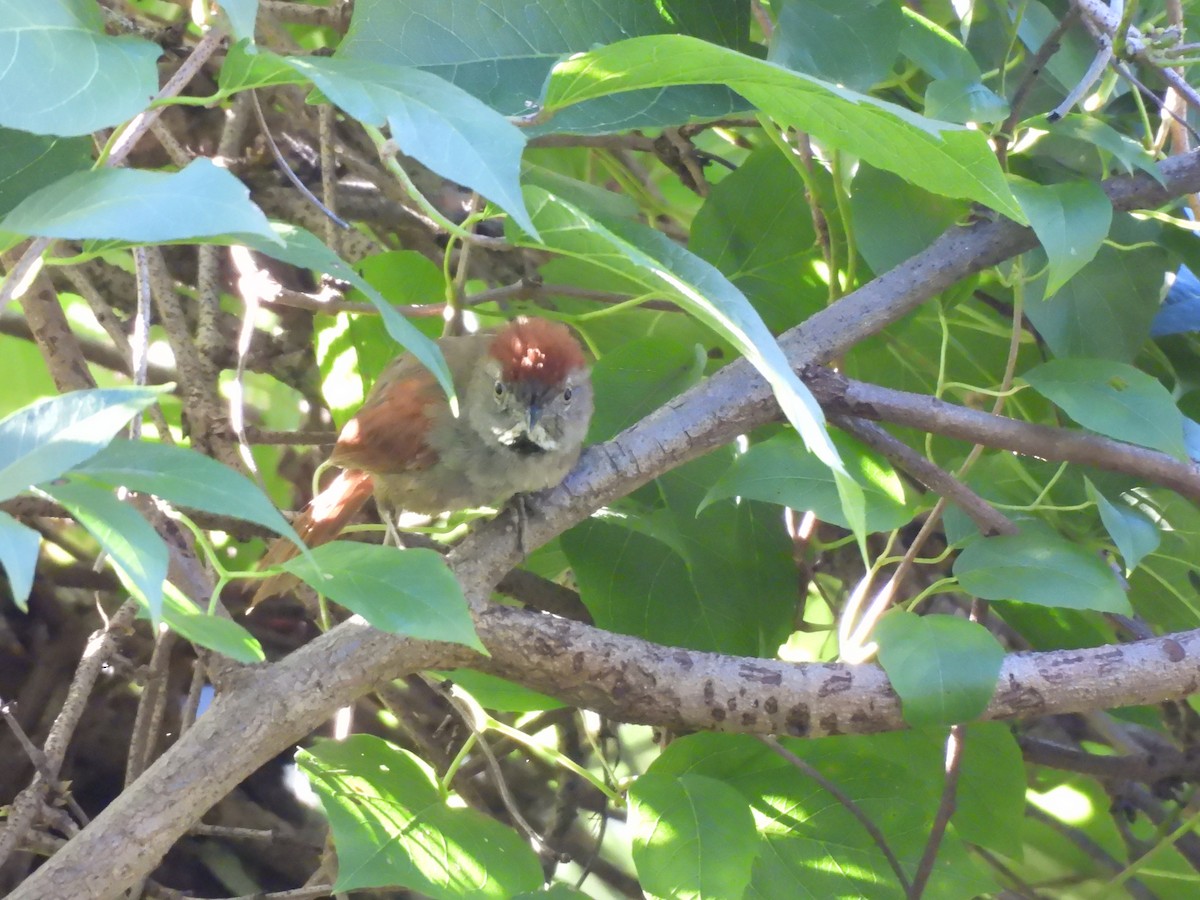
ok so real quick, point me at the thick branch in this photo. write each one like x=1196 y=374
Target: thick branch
x=620 y=676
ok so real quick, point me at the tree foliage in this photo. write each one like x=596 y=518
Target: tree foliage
x=887 y=528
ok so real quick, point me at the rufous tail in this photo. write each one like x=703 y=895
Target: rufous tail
x=322 y=520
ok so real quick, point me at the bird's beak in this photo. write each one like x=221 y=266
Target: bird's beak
x=533 y=414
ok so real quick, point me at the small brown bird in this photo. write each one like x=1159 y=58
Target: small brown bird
x=525 y=400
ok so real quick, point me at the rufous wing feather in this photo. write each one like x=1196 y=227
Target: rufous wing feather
x=322 y=520
x=369 y=444
x=389 y=433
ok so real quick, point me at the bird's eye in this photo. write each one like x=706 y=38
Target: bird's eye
x=499 y=389
x=567 y=395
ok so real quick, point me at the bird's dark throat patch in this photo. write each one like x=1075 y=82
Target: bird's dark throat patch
x=524 y=446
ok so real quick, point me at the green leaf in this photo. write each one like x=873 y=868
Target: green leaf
x=667 y=270
x=133 y=546
x=1071 y=220
x=47 y=438
x=1130 y=153
x=440 y=125
x=807 y=837
x=779 y=470
x=186 y=478
x=591 y=198
x=1113 y=399
x=223 y=635
x=1134 y=534
x=502 y=50
x=410 y=592
x=853 y=44
x=676 y=577
x=944 y=668
x=1164 y=587
x=302 y=248
x=990 y=807
x=637 y=378
x=1107 y=308
x=756 y=227
x=393 y=828
x=63 y=75
x=29 y=162
x=18 y=554
x=854 y=507
x=243 y=70
x=496 y=693
x=199 y=201
x=1037 y=566
x=944 y=158
x=936 y=50
x=354 y=350
x=242 y=14
x=693 y=836
x=962 y=101
x=880 y=200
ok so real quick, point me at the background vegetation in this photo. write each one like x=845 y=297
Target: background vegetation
x=878 y=579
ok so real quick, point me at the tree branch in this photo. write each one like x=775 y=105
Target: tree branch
x=870 y=401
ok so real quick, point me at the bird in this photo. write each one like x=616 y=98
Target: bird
x=525 y=400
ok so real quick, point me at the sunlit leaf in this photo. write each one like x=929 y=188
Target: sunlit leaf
x=131 y=543
x=201 y=200
x=692 y=836
x=431 y=120
x=186 y=478
x=63 y=75
x=780 y=470
x=1113 y=399
x=393 y=828
x=18 y=554
x=1135 y=535
x=1038 y=567
x=940 y=157
x=47 y=438
x=410 y=592
x=667 y=270
x=944 y=668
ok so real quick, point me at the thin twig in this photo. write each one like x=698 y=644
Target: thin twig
x=52 y=332
x=127 y=139
x=38 y=758
x=329 y=301
x=1149 y=768
x=501 y=783
x=1049 y=47
x=191 y=706
x=180 y=157
x=287 y=170
x=151 y=704
x=100 y=647
x=986 y=517
x=326 y=122
x=311 y=892
x=946 y=807
x=1022 y=888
